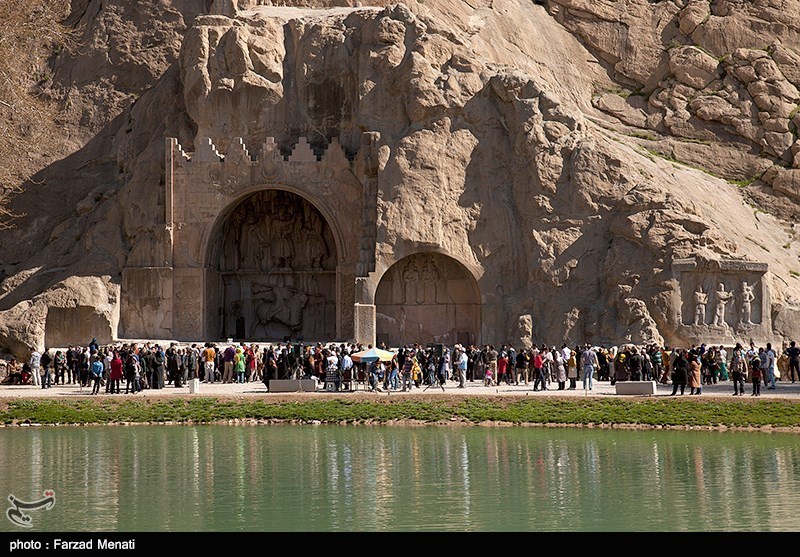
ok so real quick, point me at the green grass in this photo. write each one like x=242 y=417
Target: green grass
x=656 y=412
x=744 y=182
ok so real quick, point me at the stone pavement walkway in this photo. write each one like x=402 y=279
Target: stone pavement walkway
x=600 y=389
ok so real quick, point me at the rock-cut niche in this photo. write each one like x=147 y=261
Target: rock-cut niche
x=427 y=297
x=274 y=268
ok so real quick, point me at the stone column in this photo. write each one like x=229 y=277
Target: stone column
x=364 y=323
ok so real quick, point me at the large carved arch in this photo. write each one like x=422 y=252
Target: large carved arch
x=427 y=297
x=174 y=292
x=272 y=262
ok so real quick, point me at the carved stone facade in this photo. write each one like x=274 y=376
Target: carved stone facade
x=261 y=247
x=428 y=297
x=723 y=301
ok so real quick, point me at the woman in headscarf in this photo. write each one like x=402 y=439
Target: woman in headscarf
x=239 y=364
x=560 y=369
x=695 y=376
x=680 y=371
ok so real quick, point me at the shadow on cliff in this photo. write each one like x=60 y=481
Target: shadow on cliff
x=73 y=219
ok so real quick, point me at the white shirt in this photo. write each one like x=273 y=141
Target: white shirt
x=566 y=353
x=770 y=359
x=347 y=362
x=36 y=359
x=462 y=361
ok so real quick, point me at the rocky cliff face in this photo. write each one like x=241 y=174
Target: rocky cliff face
x=568 y=150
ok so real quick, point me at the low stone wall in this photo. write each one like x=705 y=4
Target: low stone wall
x=636 y=387
x=292 y=385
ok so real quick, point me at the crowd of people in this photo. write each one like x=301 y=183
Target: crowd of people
x=338 y=366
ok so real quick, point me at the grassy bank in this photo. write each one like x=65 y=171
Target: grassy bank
x=659 y=412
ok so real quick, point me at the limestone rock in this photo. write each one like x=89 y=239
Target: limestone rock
x=526 y=158
x=788 y=183
x=693 y=67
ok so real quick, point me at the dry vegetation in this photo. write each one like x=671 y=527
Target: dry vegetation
x=31 y=34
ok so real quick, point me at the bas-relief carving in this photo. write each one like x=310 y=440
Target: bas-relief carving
x=188 y=292
x=731 y=308
x=145 y=309
x=424 y=297
x=277 y=264
x=722 y=298
x=748 y=296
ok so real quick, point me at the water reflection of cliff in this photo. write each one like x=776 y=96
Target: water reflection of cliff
x=285 y=478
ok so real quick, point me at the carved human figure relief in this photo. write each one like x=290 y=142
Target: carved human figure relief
x=723 y=298
x=248 y=240
x=283 y=251
x=430 y=276
x=700 y=301
x=747 y=297
x=316 y=250
x=411 y=280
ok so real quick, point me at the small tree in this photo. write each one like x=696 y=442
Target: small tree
x=31 y=35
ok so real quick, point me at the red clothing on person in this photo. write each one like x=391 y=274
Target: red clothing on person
x=502 y=363
x=116 y=368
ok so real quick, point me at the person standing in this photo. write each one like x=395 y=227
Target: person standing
x=769 y=368
x=491 y=363
x=755 y=376
x=85 y=363
x=502 y=364
x=680 y=372
x=512 y=365
x=347 y=371
x=59 y=366
x=738 y=369
x=173 y=364
x=192 y=363
x=35 y=363
x=332 y=370
x=115 y=375
x=793 y=352
x=538 y=371
x=239 y=366
x=228 y=356
x=209 y=355
x=45 y=362
x=589 y=363
x=722 y=363
x=635 y=366
x=560 y=369
x=97 y=373
x=444 y=365
x=695 y=376
x=572 y=369
x=463 y=361
x=656 y=362
x=159 y=363
x=131 y=382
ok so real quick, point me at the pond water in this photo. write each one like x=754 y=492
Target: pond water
x=337 y=478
